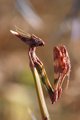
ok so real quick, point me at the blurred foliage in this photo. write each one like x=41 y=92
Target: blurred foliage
x=26 y=77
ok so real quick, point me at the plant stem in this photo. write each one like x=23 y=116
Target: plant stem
x=41 y=100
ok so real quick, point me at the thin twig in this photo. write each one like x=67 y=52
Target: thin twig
x=41 y=100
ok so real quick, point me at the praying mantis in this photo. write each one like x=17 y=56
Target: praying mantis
x=61 y=64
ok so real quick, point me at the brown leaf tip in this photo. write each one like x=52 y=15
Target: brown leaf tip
x=61 y=59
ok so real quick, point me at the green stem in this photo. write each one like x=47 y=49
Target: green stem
x=42 y=104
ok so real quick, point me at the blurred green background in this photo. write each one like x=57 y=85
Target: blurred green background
x=56 y=22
